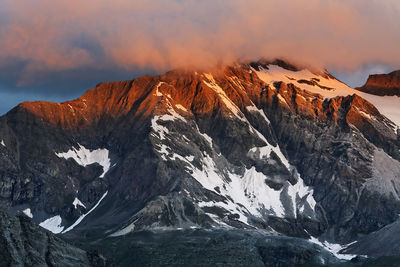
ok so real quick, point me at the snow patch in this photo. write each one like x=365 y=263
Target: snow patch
x=179 y=106
x=246 y=194
x=265 y=152
x=366 y=115
x=205 y=136
x=28 y=213
x=53 y=224
x=125 y=230
x=159 y=129
x=78 y=202
x=165 y=154
x=236 y=81
x=260 y=152
x=158 y=93
x=84 y=157
x=78 y=221
x=190 y=158
x=333 y=248
x=280 y=98
x=259 y=111
x=225 y=99
x=301 y=191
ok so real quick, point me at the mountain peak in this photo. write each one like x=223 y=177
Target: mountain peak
x=383 y=84
x=248 y=145
x=196 y=90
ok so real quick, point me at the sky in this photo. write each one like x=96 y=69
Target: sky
x=56 y=50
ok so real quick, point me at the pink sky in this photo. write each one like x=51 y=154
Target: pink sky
x=160 y=34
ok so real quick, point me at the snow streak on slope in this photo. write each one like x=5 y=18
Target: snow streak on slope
x=329 y=88
x=53 y=224
x=245 y=192
x=84 y=157
x=248 y=194
x=171 y=115
x=265 y=153
x=179 y=106
x=225 y=99
x=77 y=202
x=78 y=221
x=254 y=109
x=333 y=248
x=159 y=129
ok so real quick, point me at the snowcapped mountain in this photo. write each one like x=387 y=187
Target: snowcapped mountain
x=261 y=145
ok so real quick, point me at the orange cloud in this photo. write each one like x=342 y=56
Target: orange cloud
x=161 y=34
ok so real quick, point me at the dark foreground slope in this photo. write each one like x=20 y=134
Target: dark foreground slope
x=214 y=248
x=219 y=247
x=22 y=243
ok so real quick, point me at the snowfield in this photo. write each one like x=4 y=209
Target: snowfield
x=84 y=157
x=53 y=224
x=387 y=105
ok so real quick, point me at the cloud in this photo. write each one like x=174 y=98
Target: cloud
x=46 y=36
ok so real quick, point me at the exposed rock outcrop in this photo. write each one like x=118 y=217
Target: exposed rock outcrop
x=383 y=84
x=22 y=243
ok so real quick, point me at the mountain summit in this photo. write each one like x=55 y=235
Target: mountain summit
x=261 y=146
x=383 y=84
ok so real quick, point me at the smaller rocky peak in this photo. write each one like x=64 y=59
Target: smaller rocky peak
x=383 y=84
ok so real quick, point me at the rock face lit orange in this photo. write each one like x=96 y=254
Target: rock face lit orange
x=138 y=99
x=383 y=84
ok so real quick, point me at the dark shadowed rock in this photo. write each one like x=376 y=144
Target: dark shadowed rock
x=22 y=243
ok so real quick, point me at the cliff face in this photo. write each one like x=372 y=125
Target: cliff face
x=383 y=84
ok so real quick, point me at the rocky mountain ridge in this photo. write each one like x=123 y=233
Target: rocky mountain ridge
x=383 y=84
x=261 y=145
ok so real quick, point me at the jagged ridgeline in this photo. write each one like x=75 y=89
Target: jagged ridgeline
x=259 y=146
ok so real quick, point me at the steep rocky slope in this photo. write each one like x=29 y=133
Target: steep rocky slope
x=383 y=84
x=384 y=242
x=263 y=145
x=22 y=243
